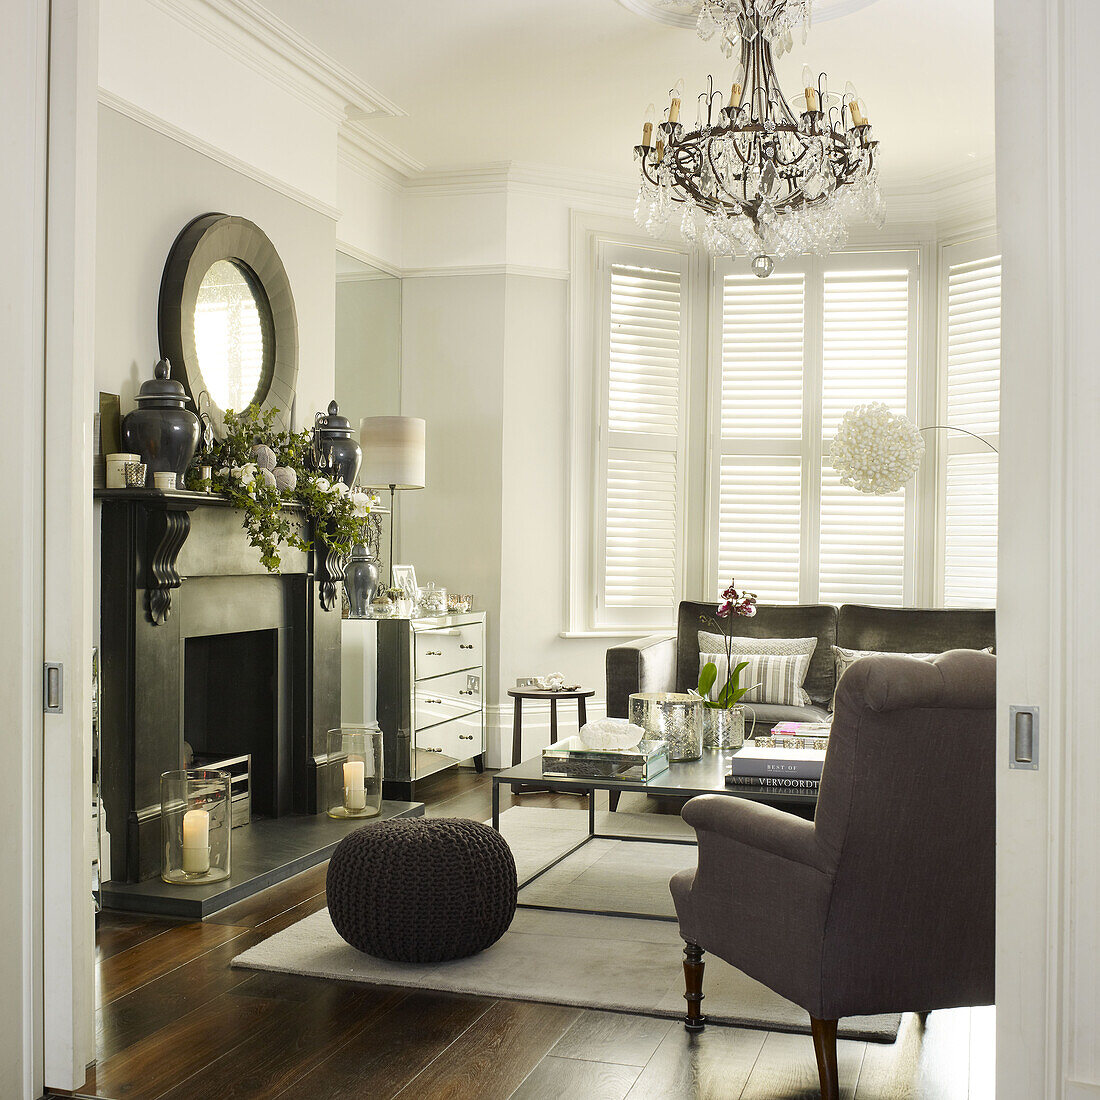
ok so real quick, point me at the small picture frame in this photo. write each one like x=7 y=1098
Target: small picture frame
x=404 y=577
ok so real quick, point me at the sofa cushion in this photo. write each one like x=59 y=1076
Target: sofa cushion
x=914 y=629
x=711 y=645
x=769 y=678
x=770 y=621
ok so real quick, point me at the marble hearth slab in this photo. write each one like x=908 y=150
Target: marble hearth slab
x=265 y=852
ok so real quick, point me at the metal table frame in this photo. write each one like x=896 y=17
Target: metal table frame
x=706 y=776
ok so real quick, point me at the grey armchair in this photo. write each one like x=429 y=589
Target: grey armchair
x=883 y=903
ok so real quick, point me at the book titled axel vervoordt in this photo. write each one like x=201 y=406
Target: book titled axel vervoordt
x=753 y=762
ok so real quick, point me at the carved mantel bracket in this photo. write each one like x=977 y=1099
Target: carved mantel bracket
x=167 y=532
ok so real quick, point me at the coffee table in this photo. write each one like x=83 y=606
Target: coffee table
x=704 y=776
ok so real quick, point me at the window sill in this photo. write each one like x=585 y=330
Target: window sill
x=619 y=632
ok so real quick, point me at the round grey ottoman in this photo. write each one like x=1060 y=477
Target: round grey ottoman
x=422 y=890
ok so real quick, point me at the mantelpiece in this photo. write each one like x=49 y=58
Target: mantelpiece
x=179 y=577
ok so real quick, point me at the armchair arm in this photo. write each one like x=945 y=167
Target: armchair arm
x=761 y=827
x=648 y=664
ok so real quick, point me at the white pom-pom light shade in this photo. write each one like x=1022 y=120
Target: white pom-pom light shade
x=393 y=452
x=875 y=450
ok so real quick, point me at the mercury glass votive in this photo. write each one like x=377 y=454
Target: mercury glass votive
x=195 y=825
x=673 y=717
x=355 y=771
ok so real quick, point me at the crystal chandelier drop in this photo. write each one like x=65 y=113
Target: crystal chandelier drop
x=731 y=20
x=753 y=176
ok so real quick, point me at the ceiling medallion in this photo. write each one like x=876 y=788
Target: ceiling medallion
x=754 y=176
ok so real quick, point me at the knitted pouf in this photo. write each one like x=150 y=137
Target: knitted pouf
x=422 y=890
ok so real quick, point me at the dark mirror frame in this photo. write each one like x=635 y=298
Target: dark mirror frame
x=202 y=243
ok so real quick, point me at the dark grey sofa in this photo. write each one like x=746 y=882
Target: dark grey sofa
x=670 y=662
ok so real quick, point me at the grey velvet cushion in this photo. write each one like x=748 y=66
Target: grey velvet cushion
x=885 y=902
x=915 y=629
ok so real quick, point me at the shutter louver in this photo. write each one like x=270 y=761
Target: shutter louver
x=865 y=339
x=973 y=403
x=760 y=525
x=640 y=561
x=763 y=351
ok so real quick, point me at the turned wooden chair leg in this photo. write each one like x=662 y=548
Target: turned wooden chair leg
x=694 y=1020
x=824 y=1032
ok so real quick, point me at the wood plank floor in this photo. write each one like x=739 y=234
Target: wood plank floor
x=175 y=1021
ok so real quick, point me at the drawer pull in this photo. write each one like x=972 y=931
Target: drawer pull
x=465 y=691
x=433 y=653
x=465 y=737
x=428 y=749
x=440 y=701
x=464 y=646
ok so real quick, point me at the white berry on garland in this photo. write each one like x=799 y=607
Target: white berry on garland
x=875 y=450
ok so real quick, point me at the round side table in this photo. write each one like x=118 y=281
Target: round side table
x=541 y=695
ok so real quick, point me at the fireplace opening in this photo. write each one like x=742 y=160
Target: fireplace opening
x=231 y=707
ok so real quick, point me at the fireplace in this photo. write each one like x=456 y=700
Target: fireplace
x=231 y=706
x=200 y=644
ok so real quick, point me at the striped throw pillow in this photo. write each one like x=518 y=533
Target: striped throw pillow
x=767 y=647
x=773 y=678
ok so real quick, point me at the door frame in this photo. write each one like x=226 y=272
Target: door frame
x=1048 y=879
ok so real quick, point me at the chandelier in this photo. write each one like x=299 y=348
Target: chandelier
x=754 y=176
x=776 y=19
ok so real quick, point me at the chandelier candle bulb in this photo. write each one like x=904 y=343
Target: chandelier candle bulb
x=647 y=126
x=674 y=108
x=811 y=91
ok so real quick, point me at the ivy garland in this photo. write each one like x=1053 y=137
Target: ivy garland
x=261 y=469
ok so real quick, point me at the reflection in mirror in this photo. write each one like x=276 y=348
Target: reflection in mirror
x=368 y=350
x=229 y=337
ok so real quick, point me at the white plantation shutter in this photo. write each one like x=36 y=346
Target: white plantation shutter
x=797 y=351
x=760 y=520
x=763 y=350
x=973 y=403
x=763 y=346
x=865 y=357
x=641 y=438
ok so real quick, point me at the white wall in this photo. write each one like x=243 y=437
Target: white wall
x=150 y=187
x=368 y=347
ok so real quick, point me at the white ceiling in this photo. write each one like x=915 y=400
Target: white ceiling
x=566 y=82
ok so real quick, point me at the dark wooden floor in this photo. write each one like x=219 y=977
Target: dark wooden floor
x=175 y=1021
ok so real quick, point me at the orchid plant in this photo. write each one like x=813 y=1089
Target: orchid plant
x=733 y=603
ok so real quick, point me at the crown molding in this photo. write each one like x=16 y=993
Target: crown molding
x=169 y=130
x=498 y=177
x=374 y=158
x=953 y=202
x=485 y=269
x=247 y=31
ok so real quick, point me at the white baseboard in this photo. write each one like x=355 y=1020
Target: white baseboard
x=536 y=728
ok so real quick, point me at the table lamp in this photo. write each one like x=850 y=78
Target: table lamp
x=393 y=455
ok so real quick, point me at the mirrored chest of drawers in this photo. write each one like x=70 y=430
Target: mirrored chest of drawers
x=431 y=676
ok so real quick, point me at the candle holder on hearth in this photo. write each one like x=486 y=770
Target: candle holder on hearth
x=355 y=771
x=195 y=826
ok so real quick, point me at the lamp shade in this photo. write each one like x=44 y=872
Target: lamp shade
x=393 y=452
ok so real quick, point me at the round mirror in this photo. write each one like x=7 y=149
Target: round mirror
x=229 y=338
x=227 y=321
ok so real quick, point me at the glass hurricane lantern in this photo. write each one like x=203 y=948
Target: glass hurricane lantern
x=355 y=771
x=195 y=824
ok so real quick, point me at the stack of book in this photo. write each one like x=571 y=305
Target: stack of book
x=790 y=758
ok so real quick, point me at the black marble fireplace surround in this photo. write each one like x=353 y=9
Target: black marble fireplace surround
x=199 y=641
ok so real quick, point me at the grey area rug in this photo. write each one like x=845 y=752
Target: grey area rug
x=615 y=963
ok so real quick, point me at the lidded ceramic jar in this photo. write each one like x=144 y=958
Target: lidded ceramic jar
x=162 y=429
x=361 y=580
x=336 y=451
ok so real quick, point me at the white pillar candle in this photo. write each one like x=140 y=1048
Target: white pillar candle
x=355 y=797
x=196 y=842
